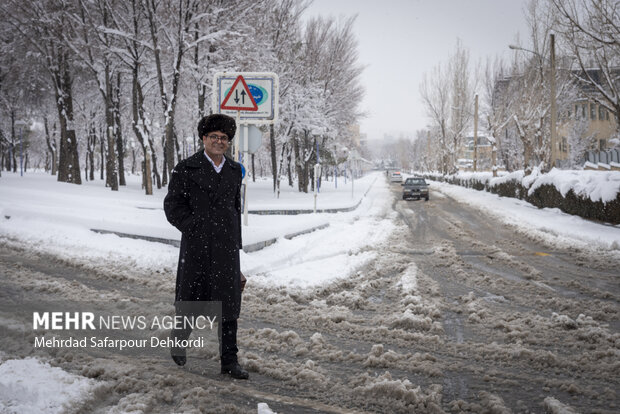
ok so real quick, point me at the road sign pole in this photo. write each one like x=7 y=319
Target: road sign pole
x=236 y=146
x=245 y=178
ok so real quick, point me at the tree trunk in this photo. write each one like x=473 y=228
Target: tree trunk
x=253 y=170
x=14 y=159
x=165 y=167
x=279 y=172
x=1 y=152
x=288 y=167
x=92 y=142
x=298 y=166
x=202 y=98
x=68 y=161
x=111 y=166
x=118 y=131
x=178 y=149
x=86 y=166
x=51 y=144
x=102 y=152
x=133 y=160
x=148 y=180
x=91 y=157
x=141 y=130
x=154 y=163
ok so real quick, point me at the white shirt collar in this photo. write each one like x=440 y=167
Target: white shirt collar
x=217 y=168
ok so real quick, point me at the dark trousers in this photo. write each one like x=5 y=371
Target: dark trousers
x=227 y=336
x=227 y=332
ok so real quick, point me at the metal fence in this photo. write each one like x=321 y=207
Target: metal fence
x=605 y=157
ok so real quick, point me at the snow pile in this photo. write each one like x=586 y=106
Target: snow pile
x=403 y=391
x=349 y=243
x=596 y=185
x=263 y=408
x=293 y=373
x=31 y=386
x=493 y=403
x=477 y=311
x=408 y=280
x=409 y=320
x=551 y=226
x=55 y=218
x=553 y=406
x=378 y=357
x=507 y=177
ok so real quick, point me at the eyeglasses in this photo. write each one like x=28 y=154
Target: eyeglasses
x=222 y=138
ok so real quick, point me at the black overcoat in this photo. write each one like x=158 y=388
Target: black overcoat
x=206 y=207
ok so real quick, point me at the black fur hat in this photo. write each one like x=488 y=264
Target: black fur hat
x=217 y=122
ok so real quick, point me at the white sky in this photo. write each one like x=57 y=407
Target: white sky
x=400 y=40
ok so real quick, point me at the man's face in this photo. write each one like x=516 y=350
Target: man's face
x=215 y=143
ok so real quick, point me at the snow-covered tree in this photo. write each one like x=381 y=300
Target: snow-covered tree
x=126 y=66
x=590 y=30
x=495 y=108
x=44 y=24
x=447 y=94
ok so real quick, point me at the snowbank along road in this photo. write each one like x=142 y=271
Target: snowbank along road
x=459 y=313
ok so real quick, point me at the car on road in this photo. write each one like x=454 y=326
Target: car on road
x=415 y=187
x=396 y=177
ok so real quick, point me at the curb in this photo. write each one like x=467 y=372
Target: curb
x=323 y=210
x=296 y=212
x=250 y=248
x=254 y=247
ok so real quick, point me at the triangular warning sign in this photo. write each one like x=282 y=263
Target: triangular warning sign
x=239 y=97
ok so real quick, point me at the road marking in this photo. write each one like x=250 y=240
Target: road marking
x=541 y=254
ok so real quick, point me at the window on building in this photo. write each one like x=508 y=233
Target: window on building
x=564 y=145
x=602 y=146
x=576 y=111
x=606 y=115
x=583 y=110
x=592 y=111
x=601 y=112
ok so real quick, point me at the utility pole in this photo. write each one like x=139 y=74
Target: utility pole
x=476 y=132
x=554 y=140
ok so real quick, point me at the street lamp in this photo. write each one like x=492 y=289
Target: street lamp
x=553 y=139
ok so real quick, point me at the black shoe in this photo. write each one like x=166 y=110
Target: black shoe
x=235 y=371
x=178 y=356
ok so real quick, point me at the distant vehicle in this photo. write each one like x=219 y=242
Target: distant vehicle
x=396 y=177
x=415 y=187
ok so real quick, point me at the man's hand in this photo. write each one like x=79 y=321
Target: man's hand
x=243 y=280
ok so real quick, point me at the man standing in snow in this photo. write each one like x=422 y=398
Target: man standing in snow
x=204 y=203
